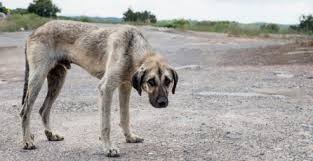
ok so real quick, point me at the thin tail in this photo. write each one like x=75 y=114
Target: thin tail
x=26 y=76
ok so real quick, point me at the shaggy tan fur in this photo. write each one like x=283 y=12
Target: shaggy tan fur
x=119 y=56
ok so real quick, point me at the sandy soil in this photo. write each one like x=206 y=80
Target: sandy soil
x=237 y=99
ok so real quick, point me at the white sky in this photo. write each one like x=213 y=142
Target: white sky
x=246 y=11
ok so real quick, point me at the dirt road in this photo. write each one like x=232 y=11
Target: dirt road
x=237 y=99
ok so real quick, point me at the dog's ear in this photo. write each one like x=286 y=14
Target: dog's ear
x=175 y=78
x=137 y=80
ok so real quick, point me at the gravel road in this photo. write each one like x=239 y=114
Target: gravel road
x=237 y=99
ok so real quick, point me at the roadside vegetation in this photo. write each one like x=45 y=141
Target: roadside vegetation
x=37 y=13
x=18 y=22
x=41 y=11
x=237 y=29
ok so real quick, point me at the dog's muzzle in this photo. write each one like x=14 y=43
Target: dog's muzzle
x=162 y=102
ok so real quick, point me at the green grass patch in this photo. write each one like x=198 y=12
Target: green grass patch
x=229 y=27
x=18 y=22
x=110 y=20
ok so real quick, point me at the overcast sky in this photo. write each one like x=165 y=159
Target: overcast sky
x=246 y=11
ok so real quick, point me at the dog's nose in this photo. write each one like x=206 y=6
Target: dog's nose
x=162 y=102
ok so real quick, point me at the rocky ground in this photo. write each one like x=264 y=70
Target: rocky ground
x=237 y=99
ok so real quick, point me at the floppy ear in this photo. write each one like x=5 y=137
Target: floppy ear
x=175 y=78
x=137 y=80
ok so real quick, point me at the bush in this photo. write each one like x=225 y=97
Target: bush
x=214 y=26
x=177 y=23
x=19 y=22
x=269 y=28
x=84 y=19
x=44 y=8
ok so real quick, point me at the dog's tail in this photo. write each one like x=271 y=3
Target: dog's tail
x=26 y=76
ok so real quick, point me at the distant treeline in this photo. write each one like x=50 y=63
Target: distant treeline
x=235 y=28
x=40 y=11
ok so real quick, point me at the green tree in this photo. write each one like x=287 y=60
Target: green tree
x=3 y=9
x=145 y=16
x=129 y=15
x=44 y=8
x=306 y=23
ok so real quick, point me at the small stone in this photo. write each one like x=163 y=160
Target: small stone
x=150 y=153
x=189 y=67
x=163 y=143
x=2 y=81
x=14 y=105
x=307 y=127
x=232 y=135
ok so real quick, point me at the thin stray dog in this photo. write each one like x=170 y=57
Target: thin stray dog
x=119 y=56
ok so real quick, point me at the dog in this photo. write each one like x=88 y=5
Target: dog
x=120 y=57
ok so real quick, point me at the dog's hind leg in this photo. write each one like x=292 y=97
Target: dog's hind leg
x=124 y=94
x=55 y=79
x=36 y=79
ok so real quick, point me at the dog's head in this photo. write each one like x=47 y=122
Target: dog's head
x=156 y=78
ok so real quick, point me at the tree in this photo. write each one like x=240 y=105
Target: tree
x=44 y=8
x=306 y=23
x=129 y=15
x=145 y=16
x=3 y=9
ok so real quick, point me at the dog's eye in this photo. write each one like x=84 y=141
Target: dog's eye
x=151 y=82
x=167 y=81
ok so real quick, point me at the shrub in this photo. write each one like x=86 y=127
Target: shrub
x=269 y=28
x=177 y=23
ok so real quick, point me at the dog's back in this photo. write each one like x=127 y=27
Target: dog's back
x=62 y=31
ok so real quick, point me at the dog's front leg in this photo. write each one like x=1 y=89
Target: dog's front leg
x=106 y=89
x=124 y=94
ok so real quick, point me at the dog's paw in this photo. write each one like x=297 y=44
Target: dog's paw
x=112 y=152
x=53 y=137
x=134 y=139
x=29 y=144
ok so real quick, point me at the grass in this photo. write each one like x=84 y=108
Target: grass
x=18 y=22
x=91 y=19
x=229 y=27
